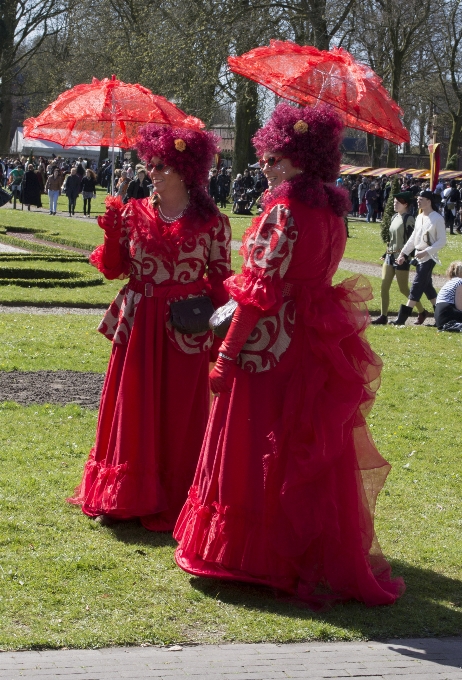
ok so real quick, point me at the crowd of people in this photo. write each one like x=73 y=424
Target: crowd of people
x=369 y=196
x=29 y=179
x=244 y=192
x=417 y=233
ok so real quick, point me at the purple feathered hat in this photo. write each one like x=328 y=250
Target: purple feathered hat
x=188 y=152
x=310 y=138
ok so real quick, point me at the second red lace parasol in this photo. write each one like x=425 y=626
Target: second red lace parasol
x=306 y=75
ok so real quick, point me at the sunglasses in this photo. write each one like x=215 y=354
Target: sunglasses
x=272 y=160
x=159 y=166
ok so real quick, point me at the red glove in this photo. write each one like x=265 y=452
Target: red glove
x=112 y=257
x=111 y=221
x=243 y=323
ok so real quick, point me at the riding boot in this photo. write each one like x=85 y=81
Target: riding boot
x=404 y=314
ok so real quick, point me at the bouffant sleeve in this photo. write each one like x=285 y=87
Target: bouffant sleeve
x=267 y=252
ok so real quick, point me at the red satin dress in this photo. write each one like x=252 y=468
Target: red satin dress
x=155 y=399
x=288 y=476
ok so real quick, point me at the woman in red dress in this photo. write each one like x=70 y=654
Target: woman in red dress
x=286 y=484
x=155 y=399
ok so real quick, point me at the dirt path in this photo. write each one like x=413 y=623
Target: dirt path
x=51 y=387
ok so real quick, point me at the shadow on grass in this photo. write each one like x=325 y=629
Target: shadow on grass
x=431 y=606
x=133 y=533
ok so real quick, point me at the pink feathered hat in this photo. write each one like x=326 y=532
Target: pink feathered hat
x=189 y=152
x=310 y=138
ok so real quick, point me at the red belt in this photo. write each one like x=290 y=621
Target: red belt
x=150 y=289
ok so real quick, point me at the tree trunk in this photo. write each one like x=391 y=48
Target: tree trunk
x=317 y=19
x=103 y=154
x=453 y=149
x=247 y=123
x=6 y=113
x=7 y=29
x=374 y=148
x=397 y=70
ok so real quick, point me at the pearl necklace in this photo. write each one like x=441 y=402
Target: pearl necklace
x=170 y=220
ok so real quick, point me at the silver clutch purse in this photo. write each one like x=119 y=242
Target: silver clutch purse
x=220 y=320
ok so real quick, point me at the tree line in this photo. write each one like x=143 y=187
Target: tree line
x=179 y=50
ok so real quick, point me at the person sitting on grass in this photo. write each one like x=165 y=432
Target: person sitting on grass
x=401 y=228
x=428 y=237
x=448 y=309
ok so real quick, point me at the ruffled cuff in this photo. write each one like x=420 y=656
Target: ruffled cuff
x=97 y=260
x=257 y=290
x=111 y=221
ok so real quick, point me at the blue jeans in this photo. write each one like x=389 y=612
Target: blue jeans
x=370 y=211
x=53 y=196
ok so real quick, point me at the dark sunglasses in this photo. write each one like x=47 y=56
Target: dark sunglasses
x=159 y=166
x=272 y=160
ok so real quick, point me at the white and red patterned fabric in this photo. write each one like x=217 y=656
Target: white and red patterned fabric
x=285 y=488
x=155 y=399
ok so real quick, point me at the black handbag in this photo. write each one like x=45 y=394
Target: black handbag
x=191 y=315
x=220 y=320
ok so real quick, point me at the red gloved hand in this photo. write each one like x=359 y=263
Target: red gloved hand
x=111 y=221
x=222 y=375
x=112 y=257
x=243 y=323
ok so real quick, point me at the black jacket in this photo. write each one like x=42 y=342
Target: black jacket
x=223 y=184
x=72 y=186
x=138 y=190
x=31 y=189
x=88 y=184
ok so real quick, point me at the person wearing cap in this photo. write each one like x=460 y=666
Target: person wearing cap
x=428 y=237
x=401 y=228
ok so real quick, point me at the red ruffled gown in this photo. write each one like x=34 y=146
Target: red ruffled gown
x=155 y=399
x=286 y=484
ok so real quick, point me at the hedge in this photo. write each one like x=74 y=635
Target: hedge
x=43 y=234
x=47 y=278
x=45 y=257
x=27 y=245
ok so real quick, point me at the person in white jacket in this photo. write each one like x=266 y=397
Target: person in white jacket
x=428 y=237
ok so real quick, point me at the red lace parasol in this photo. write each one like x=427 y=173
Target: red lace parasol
x=105 y=113
x=306 y=75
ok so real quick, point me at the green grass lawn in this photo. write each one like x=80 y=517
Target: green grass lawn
x=66 y=581
x=32 y=342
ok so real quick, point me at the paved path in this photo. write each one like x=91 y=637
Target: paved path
x=11 y=249
x=10 y=309
x=45 y=210
x=421 y=659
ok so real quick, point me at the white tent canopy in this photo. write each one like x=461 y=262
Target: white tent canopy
x=40 y=147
